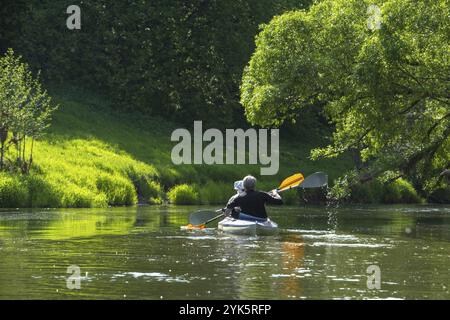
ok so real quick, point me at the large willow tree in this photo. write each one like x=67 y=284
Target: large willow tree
x=379 y=74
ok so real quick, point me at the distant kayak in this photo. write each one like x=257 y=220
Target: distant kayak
x=247 y=227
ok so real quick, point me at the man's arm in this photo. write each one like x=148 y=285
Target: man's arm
x=273 y=198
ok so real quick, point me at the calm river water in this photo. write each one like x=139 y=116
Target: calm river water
x=141 y=253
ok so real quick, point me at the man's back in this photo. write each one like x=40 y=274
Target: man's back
x=253 y=203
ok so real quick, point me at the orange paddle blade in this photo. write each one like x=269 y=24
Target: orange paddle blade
x=192 y=227
x=291 y=181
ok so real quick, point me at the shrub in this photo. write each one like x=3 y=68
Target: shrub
x=400 y=191
x=216 y=192
x=370 y=192
x=440 y=195
x=13 y=193
x=169 y=176
x=43 y=194
x=183 y=194
x=144 y=178
x=76 y=197
x=151 y=192
x=117 y=189
x=155 y=200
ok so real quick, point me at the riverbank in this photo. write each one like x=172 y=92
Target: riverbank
x=94 y=156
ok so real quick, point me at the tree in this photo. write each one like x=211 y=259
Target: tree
x=25 y=111
x=385 y=90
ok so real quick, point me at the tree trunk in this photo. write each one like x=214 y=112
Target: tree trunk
x=23 y=150
x=31 y=154
x=357 y=161
x=2 y=154
x=3 y=137
x=18 y=148
x=24 y=159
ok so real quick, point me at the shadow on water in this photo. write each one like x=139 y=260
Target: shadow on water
x=141 y=253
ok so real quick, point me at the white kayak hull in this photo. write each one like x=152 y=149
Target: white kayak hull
x=244 y=227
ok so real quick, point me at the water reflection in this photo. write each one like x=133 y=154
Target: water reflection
x=141 y=253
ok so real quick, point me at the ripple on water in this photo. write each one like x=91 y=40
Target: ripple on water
x=345 y=279
x=290 y=275
x=218 y=260
x=150 y=275
x=258 y=264
x=302 y=270
x=350 y=245
x=331 y=236
x=303 y=231
x=190 y=237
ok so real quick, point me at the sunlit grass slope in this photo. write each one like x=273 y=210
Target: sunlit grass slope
x=94 y=156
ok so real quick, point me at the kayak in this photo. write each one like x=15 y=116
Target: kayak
x=246 y=227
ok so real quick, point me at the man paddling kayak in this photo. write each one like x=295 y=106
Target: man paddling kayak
x=251 y=202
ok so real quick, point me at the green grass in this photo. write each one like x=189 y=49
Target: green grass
x=183 y=194
x=94 y=156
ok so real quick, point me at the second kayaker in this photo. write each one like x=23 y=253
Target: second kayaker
x=251 y=202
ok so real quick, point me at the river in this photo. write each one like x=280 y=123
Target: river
x=360 y=252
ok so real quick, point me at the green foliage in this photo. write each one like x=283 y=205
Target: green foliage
x=386 y=90
x=342 y=188
x=25 y=111
x=44 y=194
x=88 y=141
x=440 y=195
x=370 y=192
x=111 y=176
x=78 y=197
x=13 y=192
x=144 y=178
x=183 y=194
x=400 y=191
x=179 y=59
x=11 y=12
x=118 y=190
x=148 y=142
x=72 y=169
x=214 y=192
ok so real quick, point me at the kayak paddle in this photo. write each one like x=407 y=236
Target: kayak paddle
x=199 y=217
x=316 y=180
x=291 y=182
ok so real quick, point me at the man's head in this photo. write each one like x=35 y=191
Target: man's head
x=249 y=183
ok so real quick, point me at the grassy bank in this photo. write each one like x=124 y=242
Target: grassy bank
x=93 y=156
